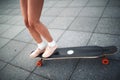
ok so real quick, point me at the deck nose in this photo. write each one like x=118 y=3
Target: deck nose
x=110 y=49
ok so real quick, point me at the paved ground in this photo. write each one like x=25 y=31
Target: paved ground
x=71 y=23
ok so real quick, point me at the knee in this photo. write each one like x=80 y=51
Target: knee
x=31 y=23
x=26 y=23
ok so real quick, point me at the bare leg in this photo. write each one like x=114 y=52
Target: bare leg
x=34 y=13
x=33 y=32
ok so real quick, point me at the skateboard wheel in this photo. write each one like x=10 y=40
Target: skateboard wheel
x=105 y=61
x=39 y=63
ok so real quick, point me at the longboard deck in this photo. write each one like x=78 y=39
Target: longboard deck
x=81 y=52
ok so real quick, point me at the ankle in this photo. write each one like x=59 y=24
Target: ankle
x=42 y=45
x=52 y=43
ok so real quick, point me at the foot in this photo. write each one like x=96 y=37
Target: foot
x=49 y=51
x=35 y=53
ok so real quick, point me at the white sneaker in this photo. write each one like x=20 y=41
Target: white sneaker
x=35 y=53
x=49 y=51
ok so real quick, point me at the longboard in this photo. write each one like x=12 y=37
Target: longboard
x=81 y=52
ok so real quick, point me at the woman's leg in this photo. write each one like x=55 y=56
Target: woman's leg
x=34 y=13
x=33 y=32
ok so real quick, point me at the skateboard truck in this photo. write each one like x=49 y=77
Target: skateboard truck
x=39 y=63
